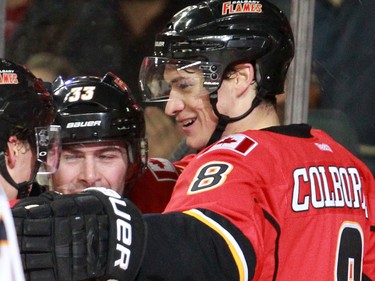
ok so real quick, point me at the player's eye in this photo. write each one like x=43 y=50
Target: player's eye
x=71 y=157
x=184 y=85
x=110 y=155
x=107 y=156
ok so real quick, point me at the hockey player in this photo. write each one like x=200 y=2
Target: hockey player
x=26 y=112
x=102 y=134
x=262 y=201
x=103 y=143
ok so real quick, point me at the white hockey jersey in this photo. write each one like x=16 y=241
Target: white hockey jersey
x=10 y=261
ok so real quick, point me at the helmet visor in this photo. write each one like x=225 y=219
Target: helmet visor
x=48 y=145
x=159 y=76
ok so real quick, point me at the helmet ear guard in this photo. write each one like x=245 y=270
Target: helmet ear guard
x=93 y=109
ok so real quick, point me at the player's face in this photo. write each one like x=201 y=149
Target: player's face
x=90 y=165
x=189 y=104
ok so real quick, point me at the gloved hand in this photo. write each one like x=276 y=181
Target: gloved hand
x=95 y=233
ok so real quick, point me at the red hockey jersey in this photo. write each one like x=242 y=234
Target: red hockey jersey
x=153 y=190
x=302 y=200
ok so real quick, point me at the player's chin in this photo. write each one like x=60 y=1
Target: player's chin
x=196 y=142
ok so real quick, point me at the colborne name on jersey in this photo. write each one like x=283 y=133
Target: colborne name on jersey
x=327 y=187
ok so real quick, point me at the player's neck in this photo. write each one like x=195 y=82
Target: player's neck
x=262 y=117
x=8 y=189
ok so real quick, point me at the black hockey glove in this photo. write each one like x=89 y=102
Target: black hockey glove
x=79 y=236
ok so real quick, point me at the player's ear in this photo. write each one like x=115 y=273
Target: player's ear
x=243 y=76
x=12 y=151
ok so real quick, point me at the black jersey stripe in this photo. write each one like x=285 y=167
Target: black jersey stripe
x=235 y=249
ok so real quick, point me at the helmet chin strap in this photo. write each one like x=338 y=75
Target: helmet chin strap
x=23 y=187
x=224 y=120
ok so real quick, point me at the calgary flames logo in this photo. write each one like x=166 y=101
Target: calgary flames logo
x=8 y=78
x=236 y=7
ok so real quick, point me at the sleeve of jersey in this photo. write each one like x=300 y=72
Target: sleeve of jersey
x=152 y=191
x=195 y=245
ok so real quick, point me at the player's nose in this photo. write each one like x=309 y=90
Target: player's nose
x=174 y=106
x=89 y=175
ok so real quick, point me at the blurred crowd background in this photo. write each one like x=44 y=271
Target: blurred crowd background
x=92 y=37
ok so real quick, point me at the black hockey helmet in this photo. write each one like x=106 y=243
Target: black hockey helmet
x=93 y=109
x=215 y=35
x=26 y=111
x=220 y=33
